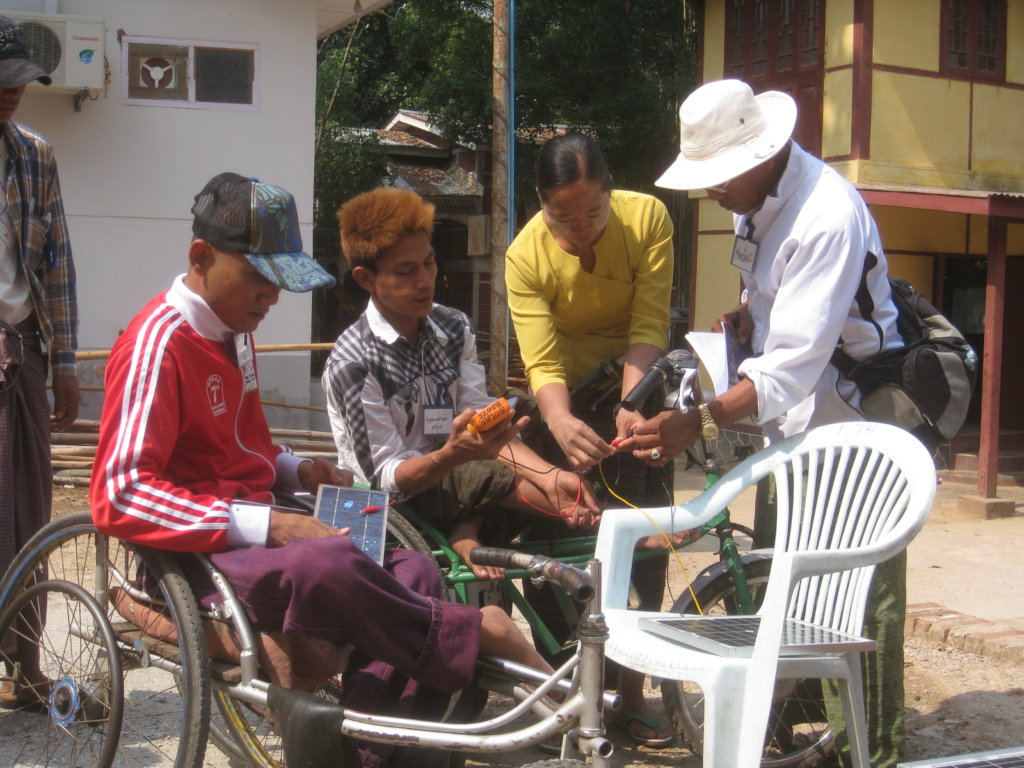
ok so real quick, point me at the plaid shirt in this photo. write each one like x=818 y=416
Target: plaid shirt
x=377 y=386
x=41 y=237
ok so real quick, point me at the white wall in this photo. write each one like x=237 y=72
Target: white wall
x=129 y=173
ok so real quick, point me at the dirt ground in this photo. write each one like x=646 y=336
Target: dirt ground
x=956 y=702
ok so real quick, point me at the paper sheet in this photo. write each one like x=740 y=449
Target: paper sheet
x=710 y=347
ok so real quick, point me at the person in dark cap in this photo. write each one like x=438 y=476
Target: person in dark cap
x=38 y=329
x=185 y=462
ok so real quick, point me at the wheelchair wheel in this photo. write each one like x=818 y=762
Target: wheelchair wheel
x=243 y=731
x=163 y=654
x=798 y=733
x=402 y=534
x=83 y=696
x=247 y=735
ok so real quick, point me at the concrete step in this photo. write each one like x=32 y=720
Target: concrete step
x=1009 y=461
x=1006 y=479
x=969 y=440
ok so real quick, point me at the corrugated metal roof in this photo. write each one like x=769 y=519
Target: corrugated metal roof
x=942 y=191
x=430 y=181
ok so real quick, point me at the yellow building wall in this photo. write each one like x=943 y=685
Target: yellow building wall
x=922 y=128
x=838 y=33
x=920 y=122
x=1014 y=38
x=906 y=33
x=714 y=37
x=909 y=229
x=718 y=282
x=1015 y=239
x=917 y=269
x=979 y=237
x=837 y=114
x=998 y=139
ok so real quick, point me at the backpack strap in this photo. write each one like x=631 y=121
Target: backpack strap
x=866 y=305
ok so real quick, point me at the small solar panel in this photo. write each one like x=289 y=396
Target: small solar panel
x=735 y=635
x=342 y=507
x=996 y=758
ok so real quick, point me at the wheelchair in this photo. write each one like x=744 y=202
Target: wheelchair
x=141 y=671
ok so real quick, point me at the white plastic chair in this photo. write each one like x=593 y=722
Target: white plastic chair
x=850 y=496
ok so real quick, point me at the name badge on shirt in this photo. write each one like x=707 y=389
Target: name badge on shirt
x=437 y=420
x=243 y=352
x=744 y=252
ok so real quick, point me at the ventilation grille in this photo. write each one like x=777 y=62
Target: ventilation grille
x=44 y=48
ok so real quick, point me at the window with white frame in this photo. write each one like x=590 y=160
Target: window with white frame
x=189 y=73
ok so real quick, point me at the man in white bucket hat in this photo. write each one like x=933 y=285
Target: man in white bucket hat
x=814 y=277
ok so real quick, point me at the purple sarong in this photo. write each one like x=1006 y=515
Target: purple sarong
x=404 y=635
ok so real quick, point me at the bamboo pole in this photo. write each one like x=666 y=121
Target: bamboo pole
x=325 y=346
x=75 y=451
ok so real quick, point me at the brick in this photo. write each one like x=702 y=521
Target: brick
x=988 y=643
x=958 y=634
x=1012 y=654
x=915 y=608
x=941 y=628
x=920 y=623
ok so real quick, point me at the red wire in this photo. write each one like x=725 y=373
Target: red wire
x=527 y=502
x=375 y=509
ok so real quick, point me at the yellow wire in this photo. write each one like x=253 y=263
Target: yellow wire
x=675 y=552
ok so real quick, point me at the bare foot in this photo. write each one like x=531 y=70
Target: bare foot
x=463 y=538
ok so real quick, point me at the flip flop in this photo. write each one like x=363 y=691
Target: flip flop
x=654 y=742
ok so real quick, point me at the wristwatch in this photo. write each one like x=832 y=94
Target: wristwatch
x=708 y=428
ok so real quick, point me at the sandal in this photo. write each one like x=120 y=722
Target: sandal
x=654 y=742
x=15 y=693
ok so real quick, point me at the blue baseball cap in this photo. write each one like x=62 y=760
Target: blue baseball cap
x=244 y=215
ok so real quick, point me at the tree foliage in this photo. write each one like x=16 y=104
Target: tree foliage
x=616 y=69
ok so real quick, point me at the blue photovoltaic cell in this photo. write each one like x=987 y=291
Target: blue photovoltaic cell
x=735 y=635
x=343 y=508
x=997 y=758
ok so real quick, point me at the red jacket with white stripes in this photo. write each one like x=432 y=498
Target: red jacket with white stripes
x=180 y=439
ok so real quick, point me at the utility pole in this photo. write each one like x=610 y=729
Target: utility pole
x=500 y=159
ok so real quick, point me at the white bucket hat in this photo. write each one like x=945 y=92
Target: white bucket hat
x=726 y=130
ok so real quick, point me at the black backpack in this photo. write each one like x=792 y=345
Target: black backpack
x=924 y=387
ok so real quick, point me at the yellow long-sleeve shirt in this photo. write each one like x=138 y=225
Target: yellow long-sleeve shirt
x=569 y=321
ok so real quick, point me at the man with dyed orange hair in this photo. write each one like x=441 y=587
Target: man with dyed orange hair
x=403 y=382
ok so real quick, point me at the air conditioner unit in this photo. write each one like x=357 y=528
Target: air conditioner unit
x=68 y=48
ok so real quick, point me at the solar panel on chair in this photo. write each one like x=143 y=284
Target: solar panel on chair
x=736 y=635
x=1012 y=757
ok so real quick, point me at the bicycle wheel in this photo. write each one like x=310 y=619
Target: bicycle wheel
x=166 y=717
x=84 y=695
x=403 y=534
x=798 y=733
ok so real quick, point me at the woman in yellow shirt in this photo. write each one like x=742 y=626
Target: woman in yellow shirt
x=589 y=281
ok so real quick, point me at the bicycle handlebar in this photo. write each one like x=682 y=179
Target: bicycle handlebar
x=656 y=374
x=671 y=368
x=576 y=583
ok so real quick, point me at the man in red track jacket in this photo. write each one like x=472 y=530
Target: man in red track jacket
x=185 y=462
